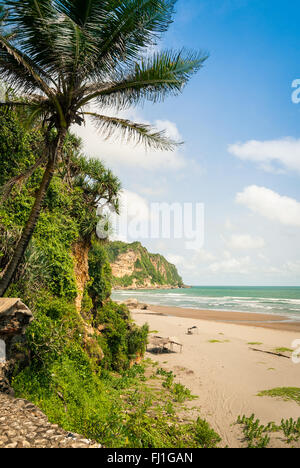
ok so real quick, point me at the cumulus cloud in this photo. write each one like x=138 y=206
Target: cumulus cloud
x=204 y=256
x=292 y=267
x=271 y=205
x=245 y=241
x=228 y=225
x=177 y=260
x=272 y=155
x=133 y=219
x=117 y=153
x=231 y=265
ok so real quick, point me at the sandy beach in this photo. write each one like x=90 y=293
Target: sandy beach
x=227 y=363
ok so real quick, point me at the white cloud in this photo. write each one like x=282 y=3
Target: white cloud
x=231 y=265
x=271 y=205
x=205 y=256
x=292 y=267
x=272 y=155
x=228 y=225
x=134 y=216
x=152 y=191
x=245 y=241
x=134 y=206
x=177 y=260
x=115 y=152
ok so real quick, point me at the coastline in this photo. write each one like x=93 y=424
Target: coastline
x=275 y=322
x=163 y=287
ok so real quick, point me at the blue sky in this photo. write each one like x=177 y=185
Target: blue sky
x=250 y=190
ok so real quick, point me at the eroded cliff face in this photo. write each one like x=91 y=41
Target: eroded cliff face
x=125 y=264
x=81 y=269
x=133 y=267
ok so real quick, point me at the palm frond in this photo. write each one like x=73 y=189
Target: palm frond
x=134 y=132
x=13 y=104
x=152 y=79
x=85 y=13
x=35 y=24
x=21 y=69
x=130 y=26
x=47 y=32
x=99 y=35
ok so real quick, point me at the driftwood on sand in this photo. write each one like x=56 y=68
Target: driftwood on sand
x=270 y=352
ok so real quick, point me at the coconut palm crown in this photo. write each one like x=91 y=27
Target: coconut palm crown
x=60 y=56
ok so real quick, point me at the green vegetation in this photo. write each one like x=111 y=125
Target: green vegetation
x=259 y=436
x=80 y=362
x=283 y=350
x=218 y=341
x=148 y=267
x=253 y=343
x=118 y=410
x=254 y=432
x=59 y=56
x=291 y=430
x=285 y=393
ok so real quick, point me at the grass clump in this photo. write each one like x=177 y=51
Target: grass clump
x=259 y=436
x=285 y=393
x=291 y=430
x=179 y=392
x=283 y=350
x=254 y=432
x=219 y=341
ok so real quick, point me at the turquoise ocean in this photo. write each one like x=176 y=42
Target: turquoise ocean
x=261 y=300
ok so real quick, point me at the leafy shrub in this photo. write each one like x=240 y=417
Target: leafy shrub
x=100 y=273
x=121 y=340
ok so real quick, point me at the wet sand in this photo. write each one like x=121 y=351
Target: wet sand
x=275 y=322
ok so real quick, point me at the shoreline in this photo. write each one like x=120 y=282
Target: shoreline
x=275 y=322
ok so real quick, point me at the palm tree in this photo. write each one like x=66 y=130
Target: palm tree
x=66 y=54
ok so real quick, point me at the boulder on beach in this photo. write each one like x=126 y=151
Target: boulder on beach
x=135 y=304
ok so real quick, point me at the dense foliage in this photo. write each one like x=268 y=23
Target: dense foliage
x=46 y=278
x=60 y=56
x=57 y=57
x=80 y=364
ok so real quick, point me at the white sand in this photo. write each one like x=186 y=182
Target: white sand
x=227 y=376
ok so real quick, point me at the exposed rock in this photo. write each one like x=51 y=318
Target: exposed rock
x=23 y=425
x=132 y=303
x=133 y=267
x=135 y=304
x=14 y=318
x=124 y=264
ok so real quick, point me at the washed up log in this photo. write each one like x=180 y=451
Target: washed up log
x=270 y=352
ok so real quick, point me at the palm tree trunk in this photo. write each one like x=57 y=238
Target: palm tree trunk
x=21 y=247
